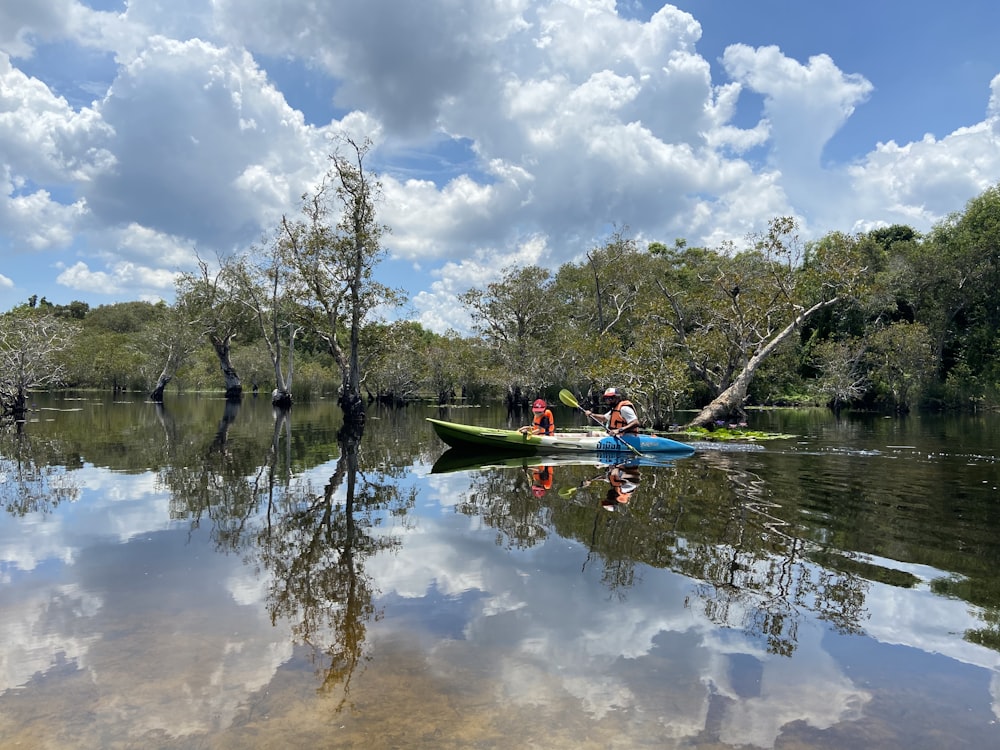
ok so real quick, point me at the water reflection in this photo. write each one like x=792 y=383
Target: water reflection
x=314 y=546
x=272 y=571
x=32 y=479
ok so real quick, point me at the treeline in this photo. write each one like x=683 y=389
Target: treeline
x=887 y=319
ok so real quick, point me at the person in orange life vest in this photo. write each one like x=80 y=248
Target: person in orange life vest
x=541 y=480
x=622 y=419
x=544 y=423
x=624 y=480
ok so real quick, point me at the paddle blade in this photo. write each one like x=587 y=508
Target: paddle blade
x=567 y=398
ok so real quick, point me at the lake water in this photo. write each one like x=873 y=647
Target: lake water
x=208 y=577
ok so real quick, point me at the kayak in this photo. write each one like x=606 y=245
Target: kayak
x=480 y=439
x=455 y=460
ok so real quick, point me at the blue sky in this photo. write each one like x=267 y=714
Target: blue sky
x=138 y=136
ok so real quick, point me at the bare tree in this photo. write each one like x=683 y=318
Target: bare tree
x=29 y=348
x=173 y=342
x=260 y=280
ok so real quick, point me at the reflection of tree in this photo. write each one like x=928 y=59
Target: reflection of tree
x=504 y=500
x=757 y=576
x=315 y=545
x=710 y=520
x=215 y=478
x=30 y=480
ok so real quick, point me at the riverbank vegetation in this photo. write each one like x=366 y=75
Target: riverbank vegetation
x=887 y=319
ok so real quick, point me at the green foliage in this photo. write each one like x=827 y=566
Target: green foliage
x=887 y=319
x=730 y=433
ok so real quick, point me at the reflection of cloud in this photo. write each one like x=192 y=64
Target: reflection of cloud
x=114 y=562
x=42 y=628
x=995 y=692
x=110 y=505
x=210 y=651
x=548 y=635
x=920 y=619
x=810 y=688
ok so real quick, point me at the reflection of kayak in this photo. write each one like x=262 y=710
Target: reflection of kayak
x=460 y=460
x=483 y=439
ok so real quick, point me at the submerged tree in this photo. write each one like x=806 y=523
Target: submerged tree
x=334 y=264
x=210 y=303
x=259 y=278
x=30 y=345
x=173 y=342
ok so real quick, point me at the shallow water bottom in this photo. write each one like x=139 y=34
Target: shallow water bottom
x=406 y=697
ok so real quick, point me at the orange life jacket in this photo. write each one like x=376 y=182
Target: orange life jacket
x=623 y=483
x=544 y=423
x=617 y=421
x=542 y=477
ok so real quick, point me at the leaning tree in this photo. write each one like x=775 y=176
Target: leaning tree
x=209 y=301
x=730 y=311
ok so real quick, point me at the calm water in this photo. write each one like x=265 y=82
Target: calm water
x=198 y=577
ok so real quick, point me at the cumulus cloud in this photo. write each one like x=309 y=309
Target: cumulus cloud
x=150 y=284
x=511 y=119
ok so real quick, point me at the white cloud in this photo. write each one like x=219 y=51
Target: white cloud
x=140 y=281
x=570 y=118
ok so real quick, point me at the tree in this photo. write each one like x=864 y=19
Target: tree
x=211 y=305
x=843 y=378
x=747 y=304
x=29 y=347
x=172 y=344
x=515 y=317
x=334 y=264
x=259 y=278
x=901 y=364
x=955 y=275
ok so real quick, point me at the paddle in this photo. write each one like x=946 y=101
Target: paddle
x=570 y=400
x=568 y=492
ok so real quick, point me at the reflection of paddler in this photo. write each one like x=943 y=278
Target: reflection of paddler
x=624 y=480
x=541 y=480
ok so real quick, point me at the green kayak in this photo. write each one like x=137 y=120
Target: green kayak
x=481 y=439
x=454 y=459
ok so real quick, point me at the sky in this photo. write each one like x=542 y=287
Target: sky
x=137 y=136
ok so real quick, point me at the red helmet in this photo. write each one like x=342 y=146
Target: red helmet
x=537 y=490
x=539 y=406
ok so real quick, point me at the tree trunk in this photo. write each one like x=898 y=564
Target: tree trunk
x=281 y=396
x=350 y=401
x=229 y=413
x=353 y=407
x=234 y=386
x=730 y=401
x=157 y=393
x=17 y=406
